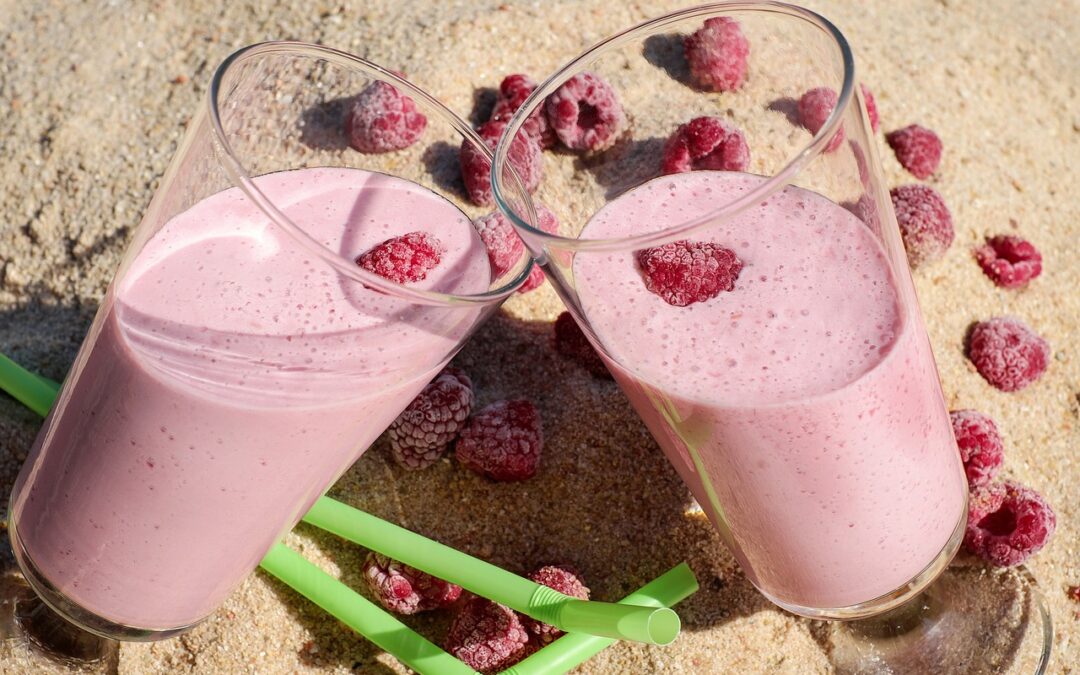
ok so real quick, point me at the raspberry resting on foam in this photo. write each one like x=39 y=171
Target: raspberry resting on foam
x=423 y=431
x=403 y=259
x=684 y=272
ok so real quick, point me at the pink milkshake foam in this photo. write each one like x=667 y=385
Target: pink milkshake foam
x=802 y=408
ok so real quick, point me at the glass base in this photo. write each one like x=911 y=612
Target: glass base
x=73 y=613
x=893 y=599
x=972 y=620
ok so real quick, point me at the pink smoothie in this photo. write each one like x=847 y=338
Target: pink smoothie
x=233 y=378
x=803 y=408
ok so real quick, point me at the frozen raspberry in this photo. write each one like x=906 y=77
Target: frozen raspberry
x=684 y=272
x=707 y=143
x=1007 y=353
x=403 y=259
x=815 y=106
x=917 y=149
x=572 y=343
x=1009 y=260
x=505 y=248
x=717 y=54
x=980 y=445
x=562 y=580
x=503 y=441
x=423 y=431
x=524 y=156
x=487 y=636
x=1007 y=523
x=925 y=222
x=404 y=589
x=382 y=119
x=513 y=91
x=585 y=113
x=871 y=107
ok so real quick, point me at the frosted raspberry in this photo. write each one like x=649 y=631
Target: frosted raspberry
x=504 y=247
x=382 y=119
x=572 y=343
x=403 y=259
x=585 y=113
x=423 y=431
x=707 y=143
x=487 y=636
x=513 y=91
x=717 y=54
x=871 y=107
x=562 y=580
x=684 y=272
x=1007 y=353
x=524 y=156
x=917 y=149
x=815 y=106
x=1008 y=523
x=980 y=445
x=503 y=441
x=1009 y=261
x=404 y=589
x=925 y=222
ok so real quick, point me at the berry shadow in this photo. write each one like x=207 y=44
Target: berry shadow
x=626 y=165
x=442 y=164
x=666 y=53
x=788 y=107
x=483 y=105
x=322 y=126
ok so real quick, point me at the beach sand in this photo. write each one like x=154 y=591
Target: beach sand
x=94 y=101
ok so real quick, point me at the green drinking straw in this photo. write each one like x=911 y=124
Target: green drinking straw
x=652 y=625
x=656 y=623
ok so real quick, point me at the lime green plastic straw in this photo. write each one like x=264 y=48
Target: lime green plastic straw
x=360 y=614
x=34 y=392
x=652 y=625
x=573 y=649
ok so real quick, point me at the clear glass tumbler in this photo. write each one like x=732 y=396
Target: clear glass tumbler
x=736 y=262
x=242 y=359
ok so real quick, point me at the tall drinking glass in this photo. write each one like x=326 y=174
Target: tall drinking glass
x=242 y=359
x=753 y=300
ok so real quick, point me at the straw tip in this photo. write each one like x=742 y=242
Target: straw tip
x=663 y=626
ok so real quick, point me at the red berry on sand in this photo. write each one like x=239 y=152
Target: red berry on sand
x=925 y=222
x=980 y=445
x=423 y=431
x=706 y=143
x=572 y=343
x=684 y=272
x=524 y=156
x=382 y=119
x=917 y=149
x=513 y=91
x=1007 y=353
x=404 y=589
x=487 y=636
x=505 y=247
x=403 y=259
x=871 y=107
x=815 y=106
x=717 y=54
x=1009 y=261
x=1008 y=523
x=562 y=580
x=503 y=441
x=585 y=113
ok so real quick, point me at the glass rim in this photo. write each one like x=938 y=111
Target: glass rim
x=243 y=179
x=773 y=183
